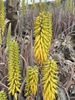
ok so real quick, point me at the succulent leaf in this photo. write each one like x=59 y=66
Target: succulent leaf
x=9 y=37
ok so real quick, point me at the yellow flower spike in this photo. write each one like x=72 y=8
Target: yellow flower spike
x=49 y=80
x=67 y=5
x=31 y=81
x=43 y=36
x=14 y=75
x=23 y=7
x=71 y=7
x=2 y=17
x=58 y=2
x=3 y=95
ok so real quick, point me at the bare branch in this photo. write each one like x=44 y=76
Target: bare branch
x=3 y=85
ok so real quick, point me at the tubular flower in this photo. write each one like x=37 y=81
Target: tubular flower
x=31 y=81
x=3 y=95
x=2 y=19
x=43 y=35
x=14 y=76
x=49 y=80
